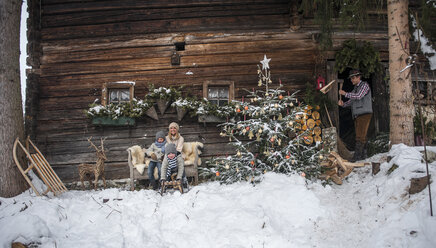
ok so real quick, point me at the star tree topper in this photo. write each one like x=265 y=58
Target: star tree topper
x=265 y=62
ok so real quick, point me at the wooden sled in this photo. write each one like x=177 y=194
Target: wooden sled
x=37 y=161
x=175 y=184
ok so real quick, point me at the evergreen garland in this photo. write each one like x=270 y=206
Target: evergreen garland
x=358 y=55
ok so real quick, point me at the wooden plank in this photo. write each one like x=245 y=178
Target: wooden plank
x=101 y=16
x=145 y=40
x=267 y=22
x=299 y=58
x=60 y=7
x=166 y=51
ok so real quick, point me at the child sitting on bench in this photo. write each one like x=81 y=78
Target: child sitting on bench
x=172 y=163
x=156 y=152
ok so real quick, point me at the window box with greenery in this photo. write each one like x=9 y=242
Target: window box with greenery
x=118 y=114
x=216 y=106
x=210 y=112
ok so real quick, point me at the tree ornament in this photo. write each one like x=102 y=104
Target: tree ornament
x=238 y=154
x=260 y=130
x=321 y=156
x=291 y=104
x=246 y=107
x=266 y=94
x=276 y=105
x=265 y=62
x=227 y=166
x=280 y=97
x=287 y=156
x=247 y=128
x=303 y=174
x=250 y=134
x=291 y=123
x=293 y=161
x=272 y=140
x=259 y=83
x=279 y=142
x=252 y=162
x=276 y=165
x=257 y=136
x=217 y=173
x=238 y=110
x=280 y=117
x=244 y=131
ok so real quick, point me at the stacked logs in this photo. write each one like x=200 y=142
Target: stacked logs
x=309 y=120
x=337 y=168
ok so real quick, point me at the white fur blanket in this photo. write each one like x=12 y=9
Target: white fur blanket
x=189 y=152
x=138 y=158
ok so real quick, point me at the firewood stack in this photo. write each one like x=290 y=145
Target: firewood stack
x=337 y=168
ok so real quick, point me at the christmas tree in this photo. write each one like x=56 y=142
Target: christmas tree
x=272 y=131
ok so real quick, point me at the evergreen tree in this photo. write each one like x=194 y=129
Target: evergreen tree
x=272 y=131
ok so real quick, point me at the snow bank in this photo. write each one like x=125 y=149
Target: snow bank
x=281 y=211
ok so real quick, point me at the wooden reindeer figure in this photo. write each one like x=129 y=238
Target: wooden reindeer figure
x=97 y=169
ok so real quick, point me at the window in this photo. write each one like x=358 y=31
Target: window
x=218 y=95
x=119 y=95
x=117 y=92
x=219 y=92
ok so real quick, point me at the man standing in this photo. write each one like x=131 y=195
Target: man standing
x=361 y=109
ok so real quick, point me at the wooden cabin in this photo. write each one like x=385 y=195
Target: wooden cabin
x=79 y=47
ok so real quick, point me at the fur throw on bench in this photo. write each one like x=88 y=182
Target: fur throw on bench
x=138 y=159
x=189 y=152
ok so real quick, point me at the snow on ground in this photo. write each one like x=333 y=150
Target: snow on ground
x=281 y=211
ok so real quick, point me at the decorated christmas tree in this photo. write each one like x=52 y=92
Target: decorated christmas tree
x=272 y=131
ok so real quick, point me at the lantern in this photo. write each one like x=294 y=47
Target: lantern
x=320 y=82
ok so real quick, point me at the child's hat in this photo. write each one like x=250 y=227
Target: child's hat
x=160 y=134
x=170 y=148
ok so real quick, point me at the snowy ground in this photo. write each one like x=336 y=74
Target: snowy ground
x=282 y=211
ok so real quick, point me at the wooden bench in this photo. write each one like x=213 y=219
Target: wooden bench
x=191 y=169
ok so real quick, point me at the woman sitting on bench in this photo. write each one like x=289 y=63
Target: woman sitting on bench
x=175 y=138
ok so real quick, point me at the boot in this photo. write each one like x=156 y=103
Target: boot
x=364 y=152
x=155 y=185
x=357 y=152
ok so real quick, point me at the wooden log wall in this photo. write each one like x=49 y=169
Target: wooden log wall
x=81 y=44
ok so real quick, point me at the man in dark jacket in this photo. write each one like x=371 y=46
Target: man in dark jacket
x=361 y=109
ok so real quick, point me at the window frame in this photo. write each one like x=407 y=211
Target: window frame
x=117 y=85
x=218 y=83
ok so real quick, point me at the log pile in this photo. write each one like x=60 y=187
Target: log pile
x=337 y=168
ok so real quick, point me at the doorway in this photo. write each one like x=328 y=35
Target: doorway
x=346 y=123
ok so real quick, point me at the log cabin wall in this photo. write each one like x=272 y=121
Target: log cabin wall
x=81 y=44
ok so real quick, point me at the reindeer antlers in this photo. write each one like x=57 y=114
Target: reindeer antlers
x=95 y=147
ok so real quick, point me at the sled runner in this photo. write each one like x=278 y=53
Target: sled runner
x=174 y=184
x=37 y=161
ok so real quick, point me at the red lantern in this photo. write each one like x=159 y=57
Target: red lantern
x=320 y=82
